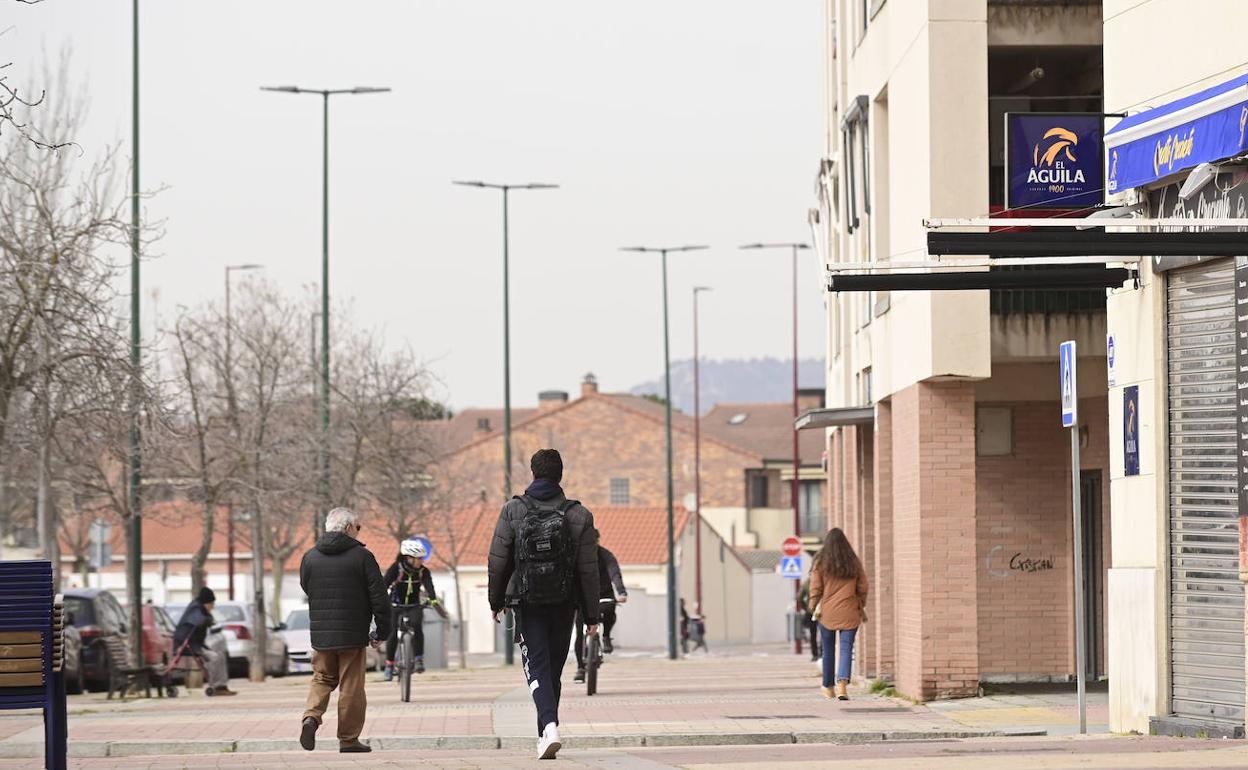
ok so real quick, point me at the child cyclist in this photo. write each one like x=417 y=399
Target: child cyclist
x=404 y=580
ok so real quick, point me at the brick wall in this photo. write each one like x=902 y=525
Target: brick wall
x=882 y=612
x=1026 y=614
x=934 y=538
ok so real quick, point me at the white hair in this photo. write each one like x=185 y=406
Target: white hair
x=341 y=518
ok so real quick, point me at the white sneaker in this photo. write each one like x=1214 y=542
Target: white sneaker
x=549 y=744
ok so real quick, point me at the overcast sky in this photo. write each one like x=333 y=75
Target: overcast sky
x=665 y=122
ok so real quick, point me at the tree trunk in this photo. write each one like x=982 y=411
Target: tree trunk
x=279 y=573
x=259 y=626
x=200 y=557
x=46 y=517
x=459 y=615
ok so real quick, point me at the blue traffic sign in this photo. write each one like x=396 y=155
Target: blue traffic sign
x=791 y=567
x=1070 y=389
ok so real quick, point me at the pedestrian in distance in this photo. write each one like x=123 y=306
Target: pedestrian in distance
x=697 y=632
x=838 y=600
x=544 y=565
x=808 y=619
x=345 y=594
x=684 y=629
x=192 y=631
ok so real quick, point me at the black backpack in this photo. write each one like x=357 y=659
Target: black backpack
x=545 y=553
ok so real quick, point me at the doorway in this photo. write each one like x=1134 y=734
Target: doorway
x=1093 y=573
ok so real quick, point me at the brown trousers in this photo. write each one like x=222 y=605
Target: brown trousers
x=344 y=670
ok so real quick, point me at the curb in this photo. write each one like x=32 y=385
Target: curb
x=99 y=749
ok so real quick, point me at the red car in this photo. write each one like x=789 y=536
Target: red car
x=157 y=635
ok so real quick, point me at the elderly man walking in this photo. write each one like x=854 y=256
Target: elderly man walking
x=345 y=593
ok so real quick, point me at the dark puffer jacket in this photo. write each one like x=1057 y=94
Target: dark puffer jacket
x=345 y=592
x=503 y=554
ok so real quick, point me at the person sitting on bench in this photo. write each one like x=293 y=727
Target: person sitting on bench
x=194 y=625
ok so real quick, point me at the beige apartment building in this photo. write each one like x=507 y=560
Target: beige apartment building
x=948 y=467
x=1179 y=70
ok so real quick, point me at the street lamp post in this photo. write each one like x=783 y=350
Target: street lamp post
x=508 y=651
x=797 y=459
x=135 y=546
x=324 y=94
x=229 y=393
x=667 y=378
x=697 y=449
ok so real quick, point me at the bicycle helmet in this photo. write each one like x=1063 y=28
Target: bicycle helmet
x=414 y=547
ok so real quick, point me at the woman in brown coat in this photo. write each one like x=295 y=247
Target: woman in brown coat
x=838 y=594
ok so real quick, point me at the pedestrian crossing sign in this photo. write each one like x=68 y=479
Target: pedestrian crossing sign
x=791 y=567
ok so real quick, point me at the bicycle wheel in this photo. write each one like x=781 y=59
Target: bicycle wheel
x=593 y=655
x=406 y=662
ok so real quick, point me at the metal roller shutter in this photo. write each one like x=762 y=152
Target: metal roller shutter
x=1206 y=596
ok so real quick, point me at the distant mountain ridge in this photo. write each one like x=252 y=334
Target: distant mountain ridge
x=731 y=381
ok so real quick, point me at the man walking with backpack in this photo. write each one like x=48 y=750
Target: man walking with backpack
x=544 y=564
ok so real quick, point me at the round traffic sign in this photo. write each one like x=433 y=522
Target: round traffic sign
x=791 y=546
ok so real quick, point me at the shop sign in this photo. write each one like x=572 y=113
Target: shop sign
x=1131 y=430
x=1054 y=159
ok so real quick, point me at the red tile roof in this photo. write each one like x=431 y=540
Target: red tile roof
x=634 y=535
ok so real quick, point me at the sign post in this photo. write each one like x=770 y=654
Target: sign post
x=1070 y=419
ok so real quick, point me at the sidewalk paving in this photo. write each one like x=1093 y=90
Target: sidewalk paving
x=734 y=697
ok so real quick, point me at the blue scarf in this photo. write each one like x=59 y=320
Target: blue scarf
x=543 y=489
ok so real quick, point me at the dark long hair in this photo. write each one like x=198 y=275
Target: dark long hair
x=836 y=559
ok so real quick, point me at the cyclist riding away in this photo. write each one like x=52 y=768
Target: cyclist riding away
x=404 y=580
x=612 y=590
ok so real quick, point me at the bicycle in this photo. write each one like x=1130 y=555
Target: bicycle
x=405 y=660
x=593 y=660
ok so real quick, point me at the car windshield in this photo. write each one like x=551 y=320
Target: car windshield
x=175 y=612
x=297 y=620
x=228 y=613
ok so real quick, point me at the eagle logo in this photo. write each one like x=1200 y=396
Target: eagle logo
x=1059 y=141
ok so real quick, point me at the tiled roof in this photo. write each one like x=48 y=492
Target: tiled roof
x=634 y=535
x=759 y=560
x=461 y=430
x=767 y=429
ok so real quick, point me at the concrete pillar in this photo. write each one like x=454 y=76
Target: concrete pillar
x=934 y=539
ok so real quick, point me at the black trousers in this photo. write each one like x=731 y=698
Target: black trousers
x=607 y=610
x=545 y=633
x=418 y=629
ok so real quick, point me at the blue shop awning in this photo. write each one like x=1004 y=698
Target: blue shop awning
x=1204 y=127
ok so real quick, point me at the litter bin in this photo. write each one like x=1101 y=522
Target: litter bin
x=436 y=630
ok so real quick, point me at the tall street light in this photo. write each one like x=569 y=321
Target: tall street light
x=230 y=395
x=697 y=449
x=667 y=378
x=797 y=459
x=508 y=651
x=135 y=546
x=325 y=94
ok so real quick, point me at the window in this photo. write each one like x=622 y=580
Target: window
x=758 y=491
x=810 y=507
x=619 y=491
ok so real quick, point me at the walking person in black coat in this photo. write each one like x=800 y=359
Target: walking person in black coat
x=544 y=563
x=345 y=594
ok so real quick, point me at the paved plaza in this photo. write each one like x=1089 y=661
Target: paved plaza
x=748 y=708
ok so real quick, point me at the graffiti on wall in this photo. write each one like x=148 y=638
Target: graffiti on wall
x=999 y=566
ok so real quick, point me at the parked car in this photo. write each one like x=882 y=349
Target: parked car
x=235 y=619
x=215 y=640
x=157 y=635
x=297 y=633
x=75 y=680
x=96 y=614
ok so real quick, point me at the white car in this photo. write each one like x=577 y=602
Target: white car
x=298 y=638
x=235 y=620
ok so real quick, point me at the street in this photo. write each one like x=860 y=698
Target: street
x=744 y=707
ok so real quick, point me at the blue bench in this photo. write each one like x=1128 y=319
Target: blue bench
x=31 y=646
